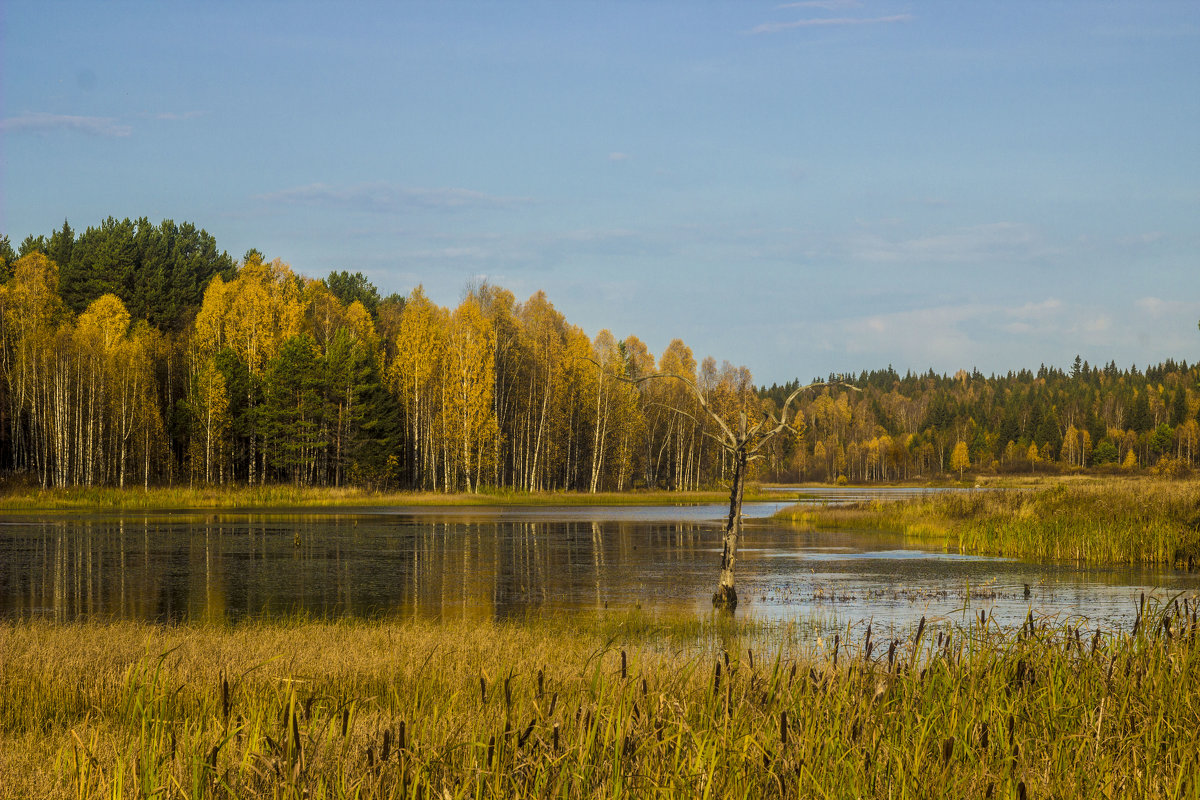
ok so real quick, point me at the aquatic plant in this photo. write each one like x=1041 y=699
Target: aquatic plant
x=1112 y=522
x=610 y=706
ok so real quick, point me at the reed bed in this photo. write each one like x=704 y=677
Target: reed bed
x=604 y=708
x=280 y=496
x=1115 y=522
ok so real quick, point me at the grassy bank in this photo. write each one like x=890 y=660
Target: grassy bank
x=265 y=497
x=607 y=708
x=1103 y=522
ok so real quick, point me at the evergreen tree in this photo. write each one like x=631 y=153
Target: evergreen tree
x=347 y=288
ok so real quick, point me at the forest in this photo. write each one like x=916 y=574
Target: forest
x=141 y=354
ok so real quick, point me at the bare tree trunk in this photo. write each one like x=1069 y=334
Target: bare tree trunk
x=726 y=595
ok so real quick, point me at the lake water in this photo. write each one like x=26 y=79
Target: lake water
x=502 y=562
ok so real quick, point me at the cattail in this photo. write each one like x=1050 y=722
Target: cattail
x=345 y=722
x=524 y=736
x=837 y=640
x=792 y=675
x=483 y=690
x=716 y=678
x=225 y=698
x=554 y=736
x=947 y=750
x=295 y=732
x=645 y=688
x=983 y=735
x=783 y=728
x=891 y=654
x=491 y=750
x=400 y=744
x=507 y=692
x=541 y=679
x=553 y=703
x=1021 y=790
x=386 y=750
x=624 y=673
x=750 y=655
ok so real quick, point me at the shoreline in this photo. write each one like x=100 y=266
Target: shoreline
x=268 y=498
x=282 y=497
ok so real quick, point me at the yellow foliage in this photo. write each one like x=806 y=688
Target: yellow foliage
x=106 y=319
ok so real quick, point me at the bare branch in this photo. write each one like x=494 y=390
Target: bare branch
x=783 y=424
x=722 y=442
x=690 y=384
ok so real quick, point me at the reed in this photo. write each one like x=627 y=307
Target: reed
x=1113 y=522
x=278 y=496
x=622 y=706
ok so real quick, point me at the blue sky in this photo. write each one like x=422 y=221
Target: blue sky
x=800 y=187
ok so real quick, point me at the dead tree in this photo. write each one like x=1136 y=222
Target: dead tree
x=743 y=447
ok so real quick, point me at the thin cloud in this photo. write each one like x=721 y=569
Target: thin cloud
x=618 y=156
x=172 y=116
x=777 y=27
x=42 y=122
x=388 y=197
x=828 y=5
x=976 y=244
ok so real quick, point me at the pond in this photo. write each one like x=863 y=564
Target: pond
x=484 y=562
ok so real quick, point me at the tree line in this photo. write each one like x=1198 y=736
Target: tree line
x=155 y=358
x=925 y=425
x=136 y=353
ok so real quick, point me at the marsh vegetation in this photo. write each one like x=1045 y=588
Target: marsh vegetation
x=600 y=706
x=1104 y=522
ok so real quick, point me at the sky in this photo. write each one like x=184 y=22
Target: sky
x=802 y=188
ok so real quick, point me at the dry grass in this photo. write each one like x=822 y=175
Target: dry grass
x=263 y=497
x=1112 y=521
x=624 y=706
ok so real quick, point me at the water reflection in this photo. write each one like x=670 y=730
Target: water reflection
x=493 y=565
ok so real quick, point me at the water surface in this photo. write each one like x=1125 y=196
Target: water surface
x=485 y=562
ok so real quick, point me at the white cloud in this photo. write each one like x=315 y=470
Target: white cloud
x=828 y=5
x=970 y=245
x=1044 y=308
x=41 y=122
x=175 y=116
x=382 y=196
x=1149 y=237
x=618 y=156
x=776 y=27
x=1157 y=307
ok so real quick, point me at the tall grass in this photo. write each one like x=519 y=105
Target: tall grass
x=631 y=708
x=1116 y=522
x=282 y=496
